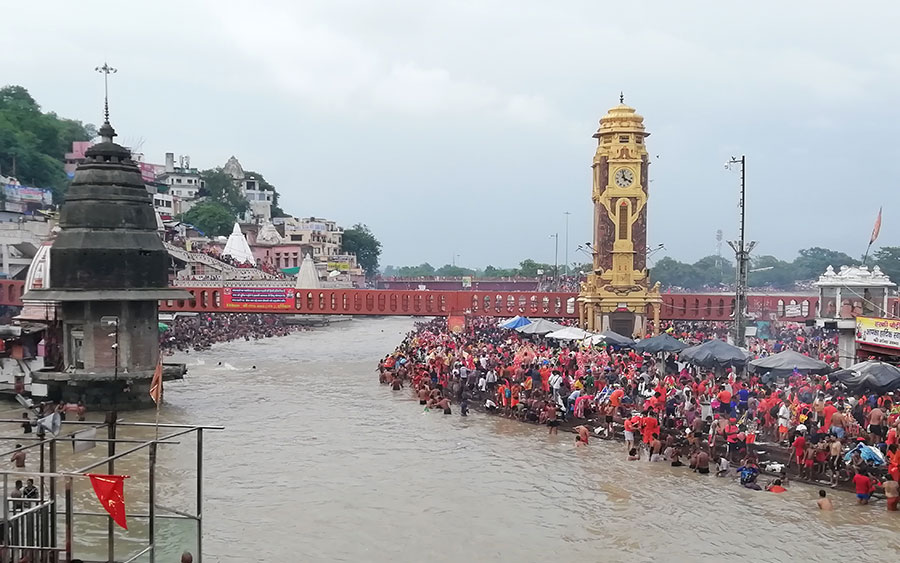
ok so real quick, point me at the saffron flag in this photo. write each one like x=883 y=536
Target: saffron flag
x=156 y=384
x=877 y=228
x=111 y=494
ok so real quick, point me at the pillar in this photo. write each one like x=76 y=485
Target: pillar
x=656 y=307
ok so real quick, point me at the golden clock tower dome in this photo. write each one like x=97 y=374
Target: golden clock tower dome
x=616 y=295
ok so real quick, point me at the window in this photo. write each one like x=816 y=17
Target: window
x=780 y=310
x=804 y=308
x=177 y=180
x=623 y=220
x=76 y=341
x=638 y=139
x=623 y=138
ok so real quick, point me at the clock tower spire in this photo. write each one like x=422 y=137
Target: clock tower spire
x=616 y=295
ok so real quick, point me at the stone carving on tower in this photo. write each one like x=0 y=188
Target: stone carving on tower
x=616 y=295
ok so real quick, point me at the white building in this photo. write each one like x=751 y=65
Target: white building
x=324 y=236
x=183 y=181
x=260 y=200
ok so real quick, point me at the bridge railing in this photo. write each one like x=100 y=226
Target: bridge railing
x=377 y=302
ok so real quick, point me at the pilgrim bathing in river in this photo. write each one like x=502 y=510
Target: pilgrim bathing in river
x=666 y=409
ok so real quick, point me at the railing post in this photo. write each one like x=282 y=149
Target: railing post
x=110 y=469
x=152 y=502
x=199 y=495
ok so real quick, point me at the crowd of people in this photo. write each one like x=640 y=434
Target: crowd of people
x=664 y=409
x=201 y=331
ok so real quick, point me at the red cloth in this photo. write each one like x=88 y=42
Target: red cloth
x=111 y=494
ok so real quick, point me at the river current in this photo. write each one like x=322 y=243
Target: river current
x=318 y=462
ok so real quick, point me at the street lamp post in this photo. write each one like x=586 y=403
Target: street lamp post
x=555 y=237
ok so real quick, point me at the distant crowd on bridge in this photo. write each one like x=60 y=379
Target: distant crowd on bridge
x=708 y=419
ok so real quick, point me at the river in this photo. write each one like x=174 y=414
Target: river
x=319 y=462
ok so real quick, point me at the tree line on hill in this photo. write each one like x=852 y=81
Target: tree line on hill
x=710 y=272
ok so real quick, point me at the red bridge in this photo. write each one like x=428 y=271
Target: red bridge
x=389 y=302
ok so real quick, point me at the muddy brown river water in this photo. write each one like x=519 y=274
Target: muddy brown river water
x=321 y=463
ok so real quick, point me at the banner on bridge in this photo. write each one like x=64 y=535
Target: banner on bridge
x=257 y=298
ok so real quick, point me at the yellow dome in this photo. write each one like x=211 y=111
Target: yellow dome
x=621 y=118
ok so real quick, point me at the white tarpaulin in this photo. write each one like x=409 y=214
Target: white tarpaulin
x=569 y=333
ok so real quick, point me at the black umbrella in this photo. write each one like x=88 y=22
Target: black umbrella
x=614 y=338
x=785 y=362
x=664 y=342
x=870 y=377
x=714 y=353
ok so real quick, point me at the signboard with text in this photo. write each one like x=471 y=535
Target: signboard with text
x=255 y=298
x=878 y=331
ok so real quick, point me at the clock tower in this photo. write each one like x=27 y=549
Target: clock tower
x=616 y=295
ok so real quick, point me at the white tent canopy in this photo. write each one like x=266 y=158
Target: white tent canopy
x=540 y=327
x=307 y=275
x=569 y=333
x=237 y=247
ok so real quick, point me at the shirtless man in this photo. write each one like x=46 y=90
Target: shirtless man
x=824 y=502
x=608 y=411
x=18 y=457
x=835 y=459
x=396 y=383
x=837 y=425
x=702 y=462
x=552 y=421
x=444 y=404
x=423 y=395
x=892 y=493
x=877 y=430
x=583 y=433
x=655 y=449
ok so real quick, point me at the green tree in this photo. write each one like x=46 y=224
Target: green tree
x=672 y=273
x=529 y=268
x=714 y=270
x=888 y=259
x=491 y=272
x=211 y=217
x=421 y=271
x=771 y=272
x=360 y=241
x=33 y=144
x=812 y=262
x=221 y=188
x=450 y=271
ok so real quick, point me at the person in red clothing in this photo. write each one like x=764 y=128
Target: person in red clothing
x=649 y=426
x=724 y=397
x=776 y=487
x=864 y=486
x=799 y=446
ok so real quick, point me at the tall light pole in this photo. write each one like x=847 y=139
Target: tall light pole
x=742 y=256
x=566 y=252
x=555 y=236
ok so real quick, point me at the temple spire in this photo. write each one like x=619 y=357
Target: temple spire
x=621 y=97
x=106 y=131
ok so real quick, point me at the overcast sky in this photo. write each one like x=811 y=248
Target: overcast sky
x=464 y=127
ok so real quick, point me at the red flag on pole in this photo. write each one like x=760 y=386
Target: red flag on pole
x=111 y=494
x=877 y=229
x=156 y=384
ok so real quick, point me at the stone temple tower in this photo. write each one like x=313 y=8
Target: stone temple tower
x=107 y=273
x=616 y=295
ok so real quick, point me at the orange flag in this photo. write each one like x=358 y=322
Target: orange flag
x=110 y=492
x=877 y=229
x=156 y=384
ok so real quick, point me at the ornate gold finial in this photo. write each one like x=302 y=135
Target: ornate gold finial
x=621 y=97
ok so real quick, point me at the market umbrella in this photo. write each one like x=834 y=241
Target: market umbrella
x=613 y=339
x=787 y=361
x=569 y=333
x=714 y=353
x=540 y=326
x=664 y=342
x=515 y=322
x=870 y=376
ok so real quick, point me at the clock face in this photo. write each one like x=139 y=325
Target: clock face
x=624 y=177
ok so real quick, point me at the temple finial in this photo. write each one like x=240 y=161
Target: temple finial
x=621 y=97
x=106 y=131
